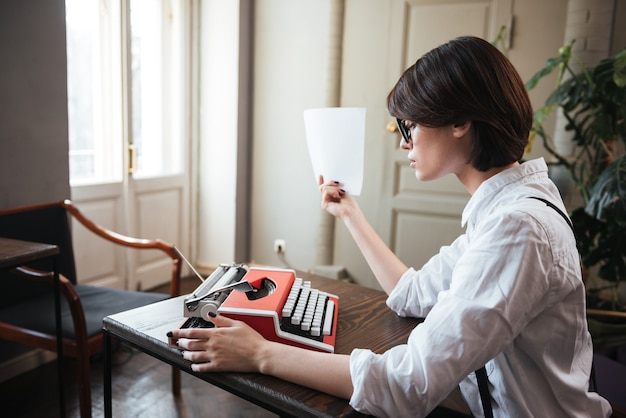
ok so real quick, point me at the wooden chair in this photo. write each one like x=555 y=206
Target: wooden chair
x=27 y=306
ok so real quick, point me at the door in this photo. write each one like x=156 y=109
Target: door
x=128 y=95
x=381 y=40
x=423 y=216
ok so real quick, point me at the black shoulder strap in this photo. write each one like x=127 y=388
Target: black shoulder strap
x=483 y=389
x=559 y=211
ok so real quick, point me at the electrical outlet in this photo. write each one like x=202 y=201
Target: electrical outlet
x=279 y=246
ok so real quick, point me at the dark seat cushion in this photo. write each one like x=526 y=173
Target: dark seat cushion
x=14 y=289
x=98 y=302
x=611 y=379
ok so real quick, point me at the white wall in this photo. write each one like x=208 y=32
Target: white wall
x=290 y=48
x=217 y=146
x=33 y=103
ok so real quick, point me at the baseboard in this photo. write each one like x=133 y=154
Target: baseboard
x=331 y=271
x=24 y=363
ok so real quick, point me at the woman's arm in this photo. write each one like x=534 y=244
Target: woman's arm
x=234 y=346
x=385 y=265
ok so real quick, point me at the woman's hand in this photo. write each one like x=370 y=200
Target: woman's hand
x=385 y=265
x=230 y=346
x=335 y=200
x=233 y=346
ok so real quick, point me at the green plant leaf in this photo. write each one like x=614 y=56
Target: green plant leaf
x=542 y=114
x=593 y=103
x=566 y=94
x=561 y=61
x=619 y=68
x=613 y=264
x=607 y=198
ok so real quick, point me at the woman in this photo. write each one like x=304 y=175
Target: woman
x=507 y=293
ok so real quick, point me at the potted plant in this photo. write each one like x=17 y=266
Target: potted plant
x=593 y=103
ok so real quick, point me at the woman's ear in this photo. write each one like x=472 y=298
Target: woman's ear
x=460 y=129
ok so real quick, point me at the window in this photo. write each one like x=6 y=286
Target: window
x=126 y=63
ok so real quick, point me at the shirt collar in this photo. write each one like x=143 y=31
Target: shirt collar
x=491 y=188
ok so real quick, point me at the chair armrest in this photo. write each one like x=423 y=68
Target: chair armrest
x=34 y=275
x=67 y=288
x=133 y=242
x=67 y=291
x=120 y=238
x=606 y=314
x=607 y=328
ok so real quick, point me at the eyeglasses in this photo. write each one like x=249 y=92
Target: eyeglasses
x=406 y=133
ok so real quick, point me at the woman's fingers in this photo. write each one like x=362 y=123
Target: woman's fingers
x=196 y=356
x=231 y=345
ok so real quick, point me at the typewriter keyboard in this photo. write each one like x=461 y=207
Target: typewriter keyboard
x=307 y=312
x=195 y=322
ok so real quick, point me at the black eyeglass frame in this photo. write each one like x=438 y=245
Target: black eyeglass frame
x=406 y=133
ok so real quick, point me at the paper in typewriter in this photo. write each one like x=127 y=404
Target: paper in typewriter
x=336 y=142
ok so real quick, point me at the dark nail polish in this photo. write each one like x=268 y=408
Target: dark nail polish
x=169 y=334
x=212 y=314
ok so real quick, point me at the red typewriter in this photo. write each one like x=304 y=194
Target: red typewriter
x=276 y=303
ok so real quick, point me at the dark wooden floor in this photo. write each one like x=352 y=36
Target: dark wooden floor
x=141 y=388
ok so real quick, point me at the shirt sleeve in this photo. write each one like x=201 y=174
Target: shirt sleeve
x=417 y=291
x=496 y=286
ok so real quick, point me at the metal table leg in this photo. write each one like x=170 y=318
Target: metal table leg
x=59 y=326
x=108 y=410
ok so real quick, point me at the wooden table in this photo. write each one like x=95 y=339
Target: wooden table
x=16 y=253
x=364 y=322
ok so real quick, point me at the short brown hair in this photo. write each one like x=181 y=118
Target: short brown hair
x=468 y=79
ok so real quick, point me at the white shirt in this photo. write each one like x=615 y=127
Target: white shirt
x=507 y=293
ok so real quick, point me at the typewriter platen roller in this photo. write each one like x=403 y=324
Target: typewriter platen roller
x=274 y=302
x=214 y=290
